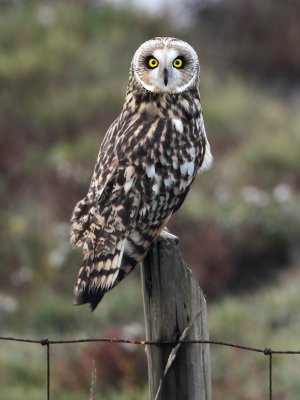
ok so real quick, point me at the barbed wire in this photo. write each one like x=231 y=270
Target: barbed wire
x=48 y=342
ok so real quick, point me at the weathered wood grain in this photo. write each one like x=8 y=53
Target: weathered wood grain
x=172 y=299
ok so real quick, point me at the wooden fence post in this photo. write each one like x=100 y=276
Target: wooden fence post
x=172 y=302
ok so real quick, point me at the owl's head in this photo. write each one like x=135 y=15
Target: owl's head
x=166 y=65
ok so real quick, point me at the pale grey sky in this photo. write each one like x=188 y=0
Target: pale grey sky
x=174 y=8
x=152 y=6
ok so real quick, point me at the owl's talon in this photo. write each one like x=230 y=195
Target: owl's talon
x=165 y=234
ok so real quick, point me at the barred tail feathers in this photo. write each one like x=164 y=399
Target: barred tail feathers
x=97 y=275
x=100 y=273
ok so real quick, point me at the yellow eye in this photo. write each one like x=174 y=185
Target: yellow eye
x=178 y=63
x=152 y=62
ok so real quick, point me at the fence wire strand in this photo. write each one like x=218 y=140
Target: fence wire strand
x=47 y=343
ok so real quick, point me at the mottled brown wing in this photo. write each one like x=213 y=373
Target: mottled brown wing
x=103 y=219
x=144 y=170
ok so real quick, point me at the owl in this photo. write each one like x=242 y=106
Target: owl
x=147 y=162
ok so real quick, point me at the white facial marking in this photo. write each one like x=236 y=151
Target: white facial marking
x=166 y=50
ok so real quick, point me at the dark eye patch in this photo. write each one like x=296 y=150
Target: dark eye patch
x=179 y=62
x=151 y=62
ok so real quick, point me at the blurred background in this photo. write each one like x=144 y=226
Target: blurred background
x=63 y=75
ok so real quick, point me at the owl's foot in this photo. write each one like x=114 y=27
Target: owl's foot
x=165 y=234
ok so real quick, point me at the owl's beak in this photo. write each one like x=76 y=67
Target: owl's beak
x=166 y=76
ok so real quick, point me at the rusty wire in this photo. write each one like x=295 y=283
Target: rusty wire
x=47 y=342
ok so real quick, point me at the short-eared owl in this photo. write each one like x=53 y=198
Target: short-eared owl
x=146 y=164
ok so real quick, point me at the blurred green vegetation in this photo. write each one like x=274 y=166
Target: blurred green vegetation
x=63 y=75
x=264 y=319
